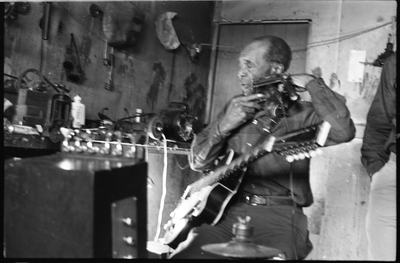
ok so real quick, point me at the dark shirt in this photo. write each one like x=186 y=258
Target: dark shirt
x=270 y=175
x=380 y=132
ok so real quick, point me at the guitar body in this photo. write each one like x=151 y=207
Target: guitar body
x=180 y=230
x=204 y=206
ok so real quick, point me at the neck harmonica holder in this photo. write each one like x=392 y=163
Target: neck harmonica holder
x=276 y=100
x=261 y=85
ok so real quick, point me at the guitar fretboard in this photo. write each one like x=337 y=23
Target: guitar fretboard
x=236 y=166
x=302 y=140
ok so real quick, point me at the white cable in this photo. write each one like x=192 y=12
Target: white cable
x=164 y=190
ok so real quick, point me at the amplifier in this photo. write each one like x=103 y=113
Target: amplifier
x=64 y=206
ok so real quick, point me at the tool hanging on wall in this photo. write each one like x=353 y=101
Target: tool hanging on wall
x=122 y=24
x=31 y=79
x=95 y=11
x=106 y=57
x=45 y=21
x=13 y=9
x=72 y=63
x=388 y=51
x=110 y=62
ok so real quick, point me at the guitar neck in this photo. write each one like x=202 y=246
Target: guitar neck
x=302 y=140
x=240 y=163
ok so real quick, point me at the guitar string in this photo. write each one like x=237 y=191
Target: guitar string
x=164 y=190
x=291 y=187
x=293 y=211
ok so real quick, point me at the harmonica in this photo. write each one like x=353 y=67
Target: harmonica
x=262 y=84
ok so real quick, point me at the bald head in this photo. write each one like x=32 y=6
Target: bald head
x=276 y=50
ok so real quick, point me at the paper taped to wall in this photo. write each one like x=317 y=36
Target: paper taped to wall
x=356 y=66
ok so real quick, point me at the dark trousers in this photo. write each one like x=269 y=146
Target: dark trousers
x=283 y=227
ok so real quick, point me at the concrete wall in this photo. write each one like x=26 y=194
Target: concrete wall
x=340 y=183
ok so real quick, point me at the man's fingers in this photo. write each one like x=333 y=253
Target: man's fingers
x=252 y=105
x=250 y=97
x=248 y=110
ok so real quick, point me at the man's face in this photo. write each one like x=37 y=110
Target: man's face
x=252 y=66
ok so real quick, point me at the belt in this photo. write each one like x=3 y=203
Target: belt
x=256 y=200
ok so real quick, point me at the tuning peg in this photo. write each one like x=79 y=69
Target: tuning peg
x=307 y=155
x=105 y=149
x=301 y=156
x=108 y=135
x=89 y=145
x=77 y=146
x=91 y=148
x=313 y=153
x=118 y=135
x=289 y=158
x=65 y=132
x=318 y=151
x=131 y=152
x=118 y=147
x=65 y=146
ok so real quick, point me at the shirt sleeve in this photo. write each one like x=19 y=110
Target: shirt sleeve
x=331 y=107
x=379 y=120
x=207 y=145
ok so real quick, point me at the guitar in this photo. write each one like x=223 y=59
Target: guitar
x=205 y=200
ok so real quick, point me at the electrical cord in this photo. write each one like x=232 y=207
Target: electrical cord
x=293 y=211
x=291 y=192
x=164 y=189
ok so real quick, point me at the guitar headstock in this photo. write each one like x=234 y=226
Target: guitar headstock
x=303 y=143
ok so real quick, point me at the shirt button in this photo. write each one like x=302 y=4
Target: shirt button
x=249 y=144
x=253 y=186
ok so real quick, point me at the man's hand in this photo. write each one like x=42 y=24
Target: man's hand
x=240 y=110
x=301 y=80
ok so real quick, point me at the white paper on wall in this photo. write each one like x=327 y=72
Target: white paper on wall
x=356 y=66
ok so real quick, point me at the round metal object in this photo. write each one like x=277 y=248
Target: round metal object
x=242 y=245
x=95 y=11
x=237 y=249
x=155 y=128
x=30 y=79
x=22 y=8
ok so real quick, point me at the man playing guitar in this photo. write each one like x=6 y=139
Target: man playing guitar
x=273 y=189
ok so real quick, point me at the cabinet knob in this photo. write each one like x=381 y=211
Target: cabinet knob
x=127 y=221
x=129 y=240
